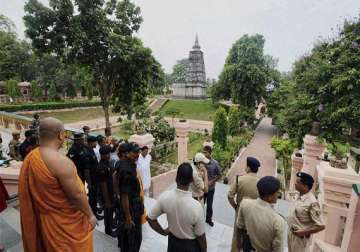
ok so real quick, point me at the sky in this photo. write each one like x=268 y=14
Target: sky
x=290 y=27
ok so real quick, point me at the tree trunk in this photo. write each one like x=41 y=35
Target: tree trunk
x=107 y=116
x=104 y=96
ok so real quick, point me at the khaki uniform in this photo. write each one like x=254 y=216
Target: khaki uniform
x=198 y=185
x=14 y=150
x=245 y=187
x=265 y=227
x=305 y=213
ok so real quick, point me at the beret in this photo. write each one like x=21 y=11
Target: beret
x=252 y=162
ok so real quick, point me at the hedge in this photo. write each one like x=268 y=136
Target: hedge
x=47 y=106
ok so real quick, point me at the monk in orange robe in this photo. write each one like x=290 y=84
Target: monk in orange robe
x=55 y=214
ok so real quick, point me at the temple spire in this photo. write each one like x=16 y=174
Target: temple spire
x=196 y=45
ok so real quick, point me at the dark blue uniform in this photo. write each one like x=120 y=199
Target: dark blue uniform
x=130 y=240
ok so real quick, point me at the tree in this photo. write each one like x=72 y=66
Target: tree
x=12 y=88
x=99 y=35
x=284 y=149
x=324 y=87
x=234 y=121
x=53 y=94
x=220 y=129
x=179 y=72
x=36 y=91
x=15 y=55
x=247 y=72
x=173 y=112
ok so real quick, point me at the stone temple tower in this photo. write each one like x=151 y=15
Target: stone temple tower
x=195 y=80
x=196 y=66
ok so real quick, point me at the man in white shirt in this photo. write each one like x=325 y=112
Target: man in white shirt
x=186 y=220
x=100 y=143
x=143 y=168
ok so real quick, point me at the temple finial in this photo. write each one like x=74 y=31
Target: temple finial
x=196 y=45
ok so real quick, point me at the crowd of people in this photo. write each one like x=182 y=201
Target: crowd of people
x=59 y=214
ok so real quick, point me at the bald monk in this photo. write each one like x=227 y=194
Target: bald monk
x=55 y=214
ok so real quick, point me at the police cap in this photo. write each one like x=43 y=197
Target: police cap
x=91 y=139
x=104 y=150
x=131 y=147
x=77 y=135
x=253 y=164
x=306 y=179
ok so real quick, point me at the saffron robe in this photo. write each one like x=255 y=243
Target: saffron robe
x=49 y=222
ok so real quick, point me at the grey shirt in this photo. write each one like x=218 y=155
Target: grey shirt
x=213 y=170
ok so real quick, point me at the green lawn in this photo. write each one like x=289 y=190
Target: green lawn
x=191 y=109
x=75 y=115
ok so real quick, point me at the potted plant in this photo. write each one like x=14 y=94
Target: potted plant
x=338 y=154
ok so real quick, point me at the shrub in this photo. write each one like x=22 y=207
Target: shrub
x=220 y=129
x=247 y=115
x=47 y=106
x=12 y=89
x=224 y=157
x=127 y=125
x=338 y=150
x=234 y=121
x=35 y=89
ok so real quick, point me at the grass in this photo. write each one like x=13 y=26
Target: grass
x=193 y=147
x=74 y=115
x=191 y=109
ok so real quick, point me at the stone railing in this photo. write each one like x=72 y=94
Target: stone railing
x=162 y=182
x=296 y=166
x=335 y=186
x=9 y=121
x=162 y=150
x=14 y=122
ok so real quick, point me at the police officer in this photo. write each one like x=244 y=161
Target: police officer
x=244 y=187
x=91 y=165
x=85 y=164
x=30 y=143
x=131 y=212
x=14 y=146
x=77 y=153
x=104 y=175
x=304 y=216
x=258 y=223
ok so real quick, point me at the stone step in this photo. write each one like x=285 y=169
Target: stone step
x=10 y=234
x=218 y=237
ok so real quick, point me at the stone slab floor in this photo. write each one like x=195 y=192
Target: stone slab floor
x=218 y=237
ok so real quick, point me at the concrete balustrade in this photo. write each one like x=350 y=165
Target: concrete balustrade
x=351 y=240
x=296 y=166
x=182 y=129
x=8 y=122
x=143 y=140
x=162 y=182
x=312 y=150
x=335 y=186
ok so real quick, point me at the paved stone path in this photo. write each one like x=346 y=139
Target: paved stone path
x=195 y=125
x=260 y=148
x=98 y=123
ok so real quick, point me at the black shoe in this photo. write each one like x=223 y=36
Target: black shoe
x=210 y=222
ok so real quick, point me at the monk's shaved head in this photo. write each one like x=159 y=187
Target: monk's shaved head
x=50 y=128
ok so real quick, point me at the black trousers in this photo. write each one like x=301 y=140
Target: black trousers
x=109 y=220
x=93 y=199
x=208 y=200
x=182 y=245
x=129 y=240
